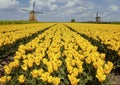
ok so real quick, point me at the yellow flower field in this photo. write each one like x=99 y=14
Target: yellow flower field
x=10 y=33
x=60 y=55
x=105 y=33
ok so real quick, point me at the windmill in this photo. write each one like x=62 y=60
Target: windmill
x=98 y=18
x=32 y=16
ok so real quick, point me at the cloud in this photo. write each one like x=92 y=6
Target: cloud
x=64 y=9
x=111 y=0
x=111 y=13
x=110 y=10
x=60 y=10
x=44 y=5
x=8 y=4
x=113 y=8
x=70 y=4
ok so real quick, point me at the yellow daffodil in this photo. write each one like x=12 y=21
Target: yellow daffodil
x=7 y=69
x=3 y=79
x=21 y=78
x=9 y=78
x=40 y=71
x=34 y=73
x=108 y=67
x=24 y=67
x=56 y=81
x=73 y=79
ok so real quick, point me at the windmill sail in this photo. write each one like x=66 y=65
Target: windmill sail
x=33 y=5
x=32 y=16
x=39 y=12
x=98 y=18
x=25 y=10
x=97 y=14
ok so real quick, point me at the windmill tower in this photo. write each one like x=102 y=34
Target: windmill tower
x=32 y=16
x=98 y=18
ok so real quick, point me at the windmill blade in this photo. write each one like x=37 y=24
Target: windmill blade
x=33 y=5
x=25 y=10
x=39 y=12
x=47 y=13
x=97 y=15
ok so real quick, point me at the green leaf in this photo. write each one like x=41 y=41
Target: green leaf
x=66 y=82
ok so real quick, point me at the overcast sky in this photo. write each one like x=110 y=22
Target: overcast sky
x=61 y=10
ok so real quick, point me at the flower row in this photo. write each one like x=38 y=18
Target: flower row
x=104 y=33
x=56 y=56
x=11 y=33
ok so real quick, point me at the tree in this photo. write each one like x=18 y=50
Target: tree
x=72 y=20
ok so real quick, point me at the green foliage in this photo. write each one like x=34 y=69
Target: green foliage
x=101 y=22
x=15 y=22
x=73 y=20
